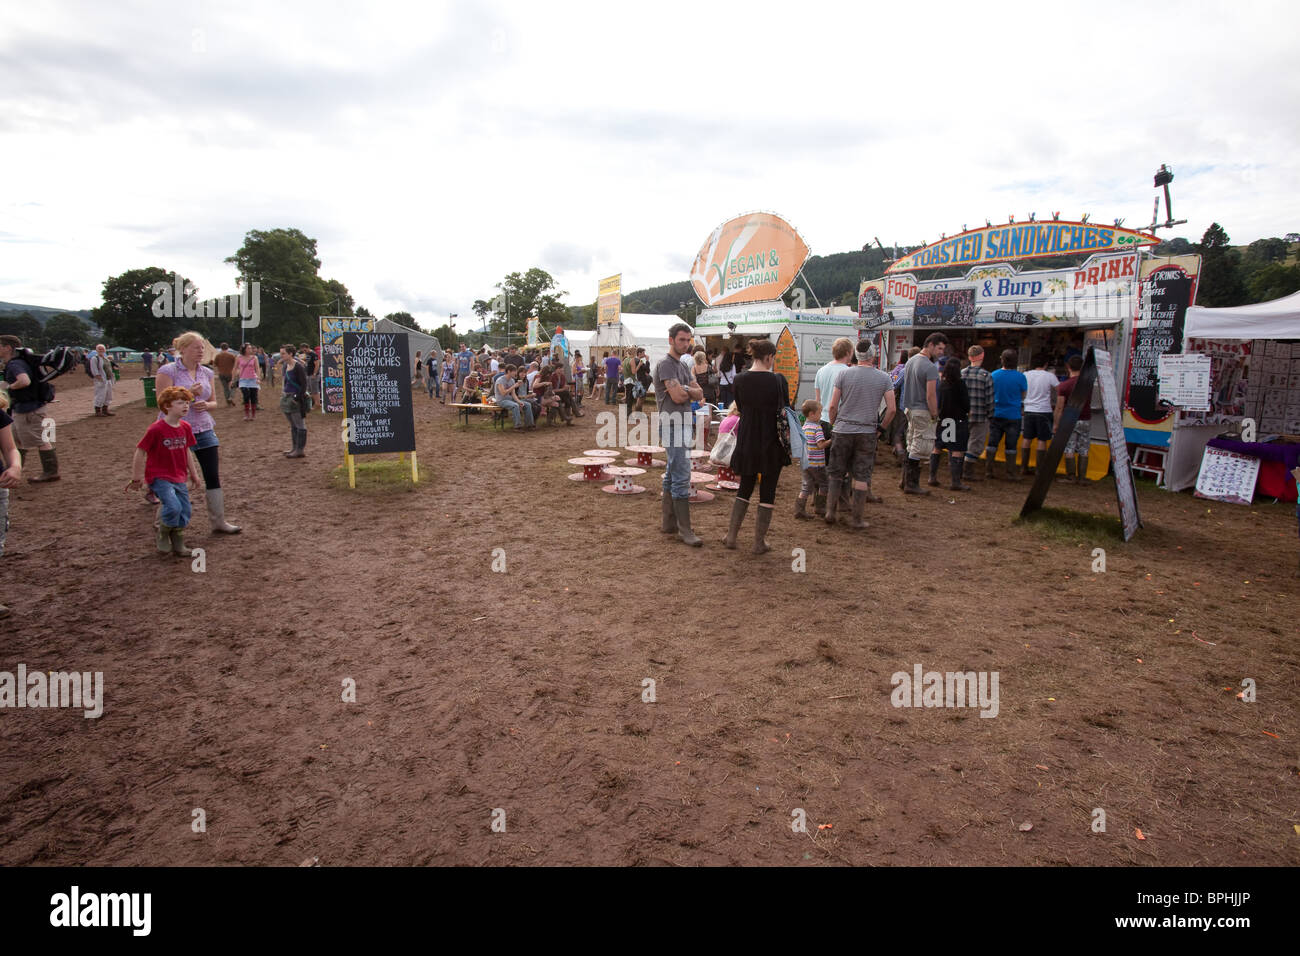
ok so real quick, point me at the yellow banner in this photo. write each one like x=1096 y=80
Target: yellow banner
x=609 y=300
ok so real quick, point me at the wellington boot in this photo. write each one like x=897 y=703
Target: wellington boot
x=178 y=543
x=108 y=414
x=163 y=538
x=738 y=509
x=872 y=499
x=669 y=525
x=859 y=505
x=99 y=411
x=1069 y=469
x=819 y=505
x=955 y=469
x=833 y=500
x=682 y=508
x=49 y=467
x=1025 y=469
x=1082 y=475
x=801 y=507
x=217 y=512
x=934 y=471
x=988 y=466
x=1013 y=473
x=762 y=521
x=913 y=472
x=968 y=471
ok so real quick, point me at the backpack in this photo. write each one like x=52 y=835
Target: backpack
x=45 y=368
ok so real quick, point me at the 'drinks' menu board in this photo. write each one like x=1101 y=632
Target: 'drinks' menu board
x=1162 y=310
x=378 y=393
x=331 y=357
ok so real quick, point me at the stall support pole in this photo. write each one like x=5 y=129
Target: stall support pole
x=415 y=471
x=352 y=472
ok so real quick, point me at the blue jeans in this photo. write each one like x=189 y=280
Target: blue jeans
x=175 y=498
x=675 y=434
x=611 y=389
x=514 y=407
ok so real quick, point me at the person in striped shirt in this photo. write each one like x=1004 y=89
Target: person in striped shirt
x=814 y=466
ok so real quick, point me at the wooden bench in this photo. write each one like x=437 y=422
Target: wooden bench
x=499 y=414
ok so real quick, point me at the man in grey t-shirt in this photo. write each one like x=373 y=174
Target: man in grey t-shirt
x=854 y=412
x=921 y=406
x=675 y=389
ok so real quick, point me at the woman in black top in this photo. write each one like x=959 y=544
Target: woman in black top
x=761 y=394
x=294 y=401
x=953 y=426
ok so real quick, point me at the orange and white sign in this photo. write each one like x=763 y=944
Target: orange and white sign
x=786 y=361
x=752 y=258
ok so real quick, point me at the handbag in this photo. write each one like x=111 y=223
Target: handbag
x=782 y=423
x=722 y=451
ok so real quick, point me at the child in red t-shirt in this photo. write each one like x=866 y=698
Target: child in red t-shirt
x=163 y=461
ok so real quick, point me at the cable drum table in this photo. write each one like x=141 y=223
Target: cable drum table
x=697 y=495
x=728 y=480
x=593 y=469
x=645 y=456
x=601 y=453
x=623 y=480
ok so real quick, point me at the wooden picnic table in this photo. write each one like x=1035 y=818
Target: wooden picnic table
x=498 y=413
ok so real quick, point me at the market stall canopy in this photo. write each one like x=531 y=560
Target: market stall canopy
x=1279 y=319
x=636 y=329
x=418 y=341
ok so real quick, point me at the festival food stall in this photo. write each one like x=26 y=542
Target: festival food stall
x=1244 y=440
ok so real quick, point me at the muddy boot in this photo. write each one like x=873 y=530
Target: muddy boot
x=1082 y=474
x=833 y=500
x=738 y=509
x=762 y=521
x=968 y=472
x=217 y=512
x=163 y=538
x=1069 y=470
x=178 y=543
x=902 y=474
x=107 y=413
x=1025 y=469
x=873 y=499
x=954 y=469
x=913 y=472
x=99 y=411
x=859 y=504
x=819 y=504
x=669 y=525
x=934 y=470
x=682 y=508
x=800 y=507
x=49 y=467
x=988 y=466
x=1013 y=474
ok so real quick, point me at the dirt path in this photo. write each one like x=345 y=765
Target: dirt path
x=523 y=690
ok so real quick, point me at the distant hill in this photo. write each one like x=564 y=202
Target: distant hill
x=43 y=313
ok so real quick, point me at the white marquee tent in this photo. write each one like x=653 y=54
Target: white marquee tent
x=636 y=330
x=1279 y=319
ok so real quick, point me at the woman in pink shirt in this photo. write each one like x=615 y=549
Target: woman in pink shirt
x=246 y=374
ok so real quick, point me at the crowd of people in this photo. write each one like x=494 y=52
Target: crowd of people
x=528 y=385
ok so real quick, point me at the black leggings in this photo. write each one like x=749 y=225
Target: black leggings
x=208 y=465
x=250 y=395
x=766 y=489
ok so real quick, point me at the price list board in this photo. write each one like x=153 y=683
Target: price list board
x=377 y=394
x=1227 y=476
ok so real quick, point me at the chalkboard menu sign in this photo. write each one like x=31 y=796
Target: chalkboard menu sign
x=1162 y=310
x=1119 y=461
x=378 y=393
x=331 y=356
x=945 y=308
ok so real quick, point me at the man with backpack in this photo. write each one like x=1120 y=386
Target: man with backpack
x=28 y=395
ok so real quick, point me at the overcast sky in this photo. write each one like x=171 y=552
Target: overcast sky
x=432 y=148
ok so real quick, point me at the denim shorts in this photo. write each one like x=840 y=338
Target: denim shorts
x=207 y=439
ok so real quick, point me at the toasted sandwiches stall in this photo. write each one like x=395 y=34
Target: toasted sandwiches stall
x=998 y=306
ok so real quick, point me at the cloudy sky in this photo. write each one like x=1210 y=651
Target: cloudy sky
x=431 y=148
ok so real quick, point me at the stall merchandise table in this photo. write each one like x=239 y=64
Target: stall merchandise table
x=1276 y=460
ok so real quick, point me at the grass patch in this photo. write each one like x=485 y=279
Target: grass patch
x=381 y=475
x=1062 y=524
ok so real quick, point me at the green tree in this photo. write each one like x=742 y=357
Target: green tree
x=364 y=313
x=128 y=315
x=522 y=296
x=1273 y=282
x=65 y=329
x=293 y=295
x=1263 y=251
x=1220 y=282
x=26 y=327
x=403 y=318
x=445 y=336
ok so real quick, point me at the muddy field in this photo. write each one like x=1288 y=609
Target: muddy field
x=522 y=690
